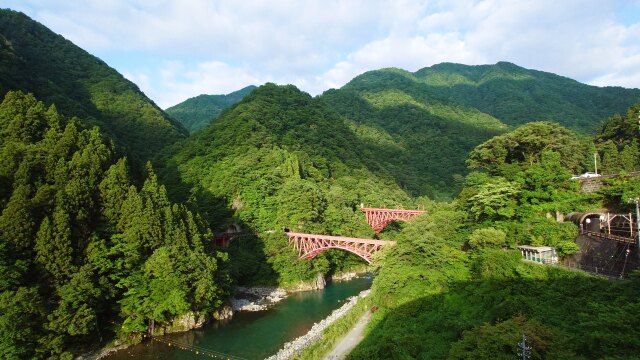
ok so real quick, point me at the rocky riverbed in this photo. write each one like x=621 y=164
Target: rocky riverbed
x=256 y=298
x=292 y=348
x=260 y=298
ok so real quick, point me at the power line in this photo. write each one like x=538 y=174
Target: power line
x=198 y=350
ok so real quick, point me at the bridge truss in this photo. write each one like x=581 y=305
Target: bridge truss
x=378 y=218
x=310 y=245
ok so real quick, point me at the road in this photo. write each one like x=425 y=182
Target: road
x=349 y=341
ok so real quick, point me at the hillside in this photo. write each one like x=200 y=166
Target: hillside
x=197 y=112
x=280 y=158
x=425 y=123
x=36 y=60
x=422 y=142
x=85 y=255
x=456 y=287
x=516 y=95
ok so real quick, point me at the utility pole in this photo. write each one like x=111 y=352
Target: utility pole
x=524 y=351
x=595 y=162
x=637 y=202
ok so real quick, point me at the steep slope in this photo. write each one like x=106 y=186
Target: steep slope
x=278 y=136
x=197 y=112
x=426 y=122
x=280 y=158
x=516 y=95
x=421 y=141
x=34 y=59
x=85 y=255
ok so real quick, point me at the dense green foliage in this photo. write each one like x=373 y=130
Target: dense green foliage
x=425 y=123
x=84 y=253
x=198 y=112
x=36 y=60
x=617 y=142
x=454 y=287
x=516 y=95
x=525 y=146
x=422 y=142
x=280 y=158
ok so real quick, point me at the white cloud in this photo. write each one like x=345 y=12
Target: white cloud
x=174 y=82
x=219 y=46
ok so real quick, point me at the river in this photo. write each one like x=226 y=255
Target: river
x=253 y=335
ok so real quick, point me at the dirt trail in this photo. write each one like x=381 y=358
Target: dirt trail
x=349 y=341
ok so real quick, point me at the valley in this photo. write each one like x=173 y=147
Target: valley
x=119 y=218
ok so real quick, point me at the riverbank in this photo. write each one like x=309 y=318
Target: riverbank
x=259 y=298
x=287 y=320
x=294 y=348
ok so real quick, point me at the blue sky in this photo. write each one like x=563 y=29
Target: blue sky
x=176 y=49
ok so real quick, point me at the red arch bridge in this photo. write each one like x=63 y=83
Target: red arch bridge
x=378 y=219
x=310 y=245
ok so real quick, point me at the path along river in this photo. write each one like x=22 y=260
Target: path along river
x=254 y=335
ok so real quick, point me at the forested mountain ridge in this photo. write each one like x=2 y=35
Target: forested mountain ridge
x=197 y=112
x=422 y=141
x=280 y=158
x=34 y=59
x=508 y=92
x=428 y=121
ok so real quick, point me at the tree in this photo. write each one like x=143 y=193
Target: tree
x=525 y=145
x=500 y=341
x=53 y=246
x=487 y=237
x=495 y=200
x=113 y=192
x=21 y=318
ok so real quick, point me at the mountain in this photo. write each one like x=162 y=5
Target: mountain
x=36 y=60
x=423 y=124
x=197 y=112
x=280 y=158
x=516 y=95
x=423 y=142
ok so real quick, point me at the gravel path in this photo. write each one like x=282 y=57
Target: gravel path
x=294 y=347
x=349 y=341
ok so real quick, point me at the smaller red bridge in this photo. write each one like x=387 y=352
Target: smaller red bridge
x=222 y=239
x=378 y=219
x=310 y=245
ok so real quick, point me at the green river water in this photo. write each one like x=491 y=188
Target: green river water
x=253 y=335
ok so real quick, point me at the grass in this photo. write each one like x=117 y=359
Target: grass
x=335 y=332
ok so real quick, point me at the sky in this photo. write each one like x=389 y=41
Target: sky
x=177 y=49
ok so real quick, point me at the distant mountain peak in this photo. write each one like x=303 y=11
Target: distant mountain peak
x=199 y=111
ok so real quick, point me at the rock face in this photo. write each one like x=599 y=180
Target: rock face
x=186 y=322
x=320 y=282
x=224 y=313
x=316 y=284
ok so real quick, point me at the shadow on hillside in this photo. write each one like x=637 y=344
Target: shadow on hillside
x=569 y=315
x=431 y=147
x=603 y=256
x=248 y=260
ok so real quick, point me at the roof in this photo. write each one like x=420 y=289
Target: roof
x=536 y=248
